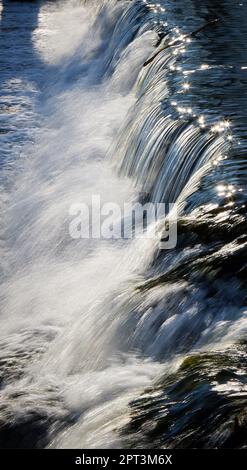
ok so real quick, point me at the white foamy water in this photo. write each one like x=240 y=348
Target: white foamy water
x=79 y=339
x=58 y=293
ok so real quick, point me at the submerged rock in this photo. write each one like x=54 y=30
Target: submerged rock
x=202 y=405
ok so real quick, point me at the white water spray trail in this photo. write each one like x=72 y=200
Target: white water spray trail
x=84 y=323
x=59 y=300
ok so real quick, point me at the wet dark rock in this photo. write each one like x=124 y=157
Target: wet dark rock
x=202 y=405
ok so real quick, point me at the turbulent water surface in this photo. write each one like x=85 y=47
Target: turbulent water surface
x=116 y=343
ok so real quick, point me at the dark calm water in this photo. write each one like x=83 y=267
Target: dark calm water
x=115 y=343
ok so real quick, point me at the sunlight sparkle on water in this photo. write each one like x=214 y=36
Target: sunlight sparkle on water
x=186 y=86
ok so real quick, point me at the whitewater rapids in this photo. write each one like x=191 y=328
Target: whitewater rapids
x=89 y=328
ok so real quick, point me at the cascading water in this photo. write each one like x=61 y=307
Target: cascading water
x=115 y=343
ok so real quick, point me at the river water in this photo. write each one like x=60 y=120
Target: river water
x=117 y=343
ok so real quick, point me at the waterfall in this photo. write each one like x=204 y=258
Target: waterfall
x=104 y=342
